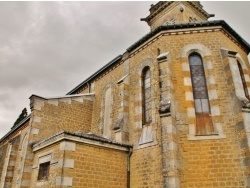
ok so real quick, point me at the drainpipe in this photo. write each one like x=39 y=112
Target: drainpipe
x=128 y=167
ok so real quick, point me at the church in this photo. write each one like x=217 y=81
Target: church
x=172 y=111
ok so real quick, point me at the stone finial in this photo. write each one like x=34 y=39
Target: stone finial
x=246 y=104
x=165 y=107
x=118 y=124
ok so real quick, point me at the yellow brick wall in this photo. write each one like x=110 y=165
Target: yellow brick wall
x=15 y=159
x=208 y=163
x=74 y=117
x=94 y=167
x=110 y=77
x=204 y=163
x=54 y=169
x=146 y=165
x=97 y=167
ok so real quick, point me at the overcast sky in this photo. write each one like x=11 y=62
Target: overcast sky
x=48 y=48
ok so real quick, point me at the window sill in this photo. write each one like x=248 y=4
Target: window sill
x=206 y=137
x=41 y=182
x=147 y=138
x=146 y=144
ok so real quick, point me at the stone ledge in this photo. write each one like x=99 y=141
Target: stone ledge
x=206 y=137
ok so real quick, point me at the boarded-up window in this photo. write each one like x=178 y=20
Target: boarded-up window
x=204 y=124
x=43 y=172
x=146 y=96
x=243 y=80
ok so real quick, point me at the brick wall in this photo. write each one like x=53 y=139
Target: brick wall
x=97 y=167
x=54 y=116
x=203 y=163
x=77 y=164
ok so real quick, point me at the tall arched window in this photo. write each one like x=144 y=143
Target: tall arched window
x=243 y=80
x=204 y=124
x=107 y=113
x=146 y=96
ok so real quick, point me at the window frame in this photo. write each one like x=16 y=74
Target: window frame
x=204 y=124
x=43 y=171
x=243 y=80
x=146 y=113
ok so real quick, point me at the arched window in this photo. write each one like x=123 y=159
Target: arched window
x=204 y=124
x=107 y=112
x=146 y=96
x=243 y=80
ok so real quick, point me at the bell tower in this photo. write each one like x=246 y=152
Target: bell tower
x=171 y=12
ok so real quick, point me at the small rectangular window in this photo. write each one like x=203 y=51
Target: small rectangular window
x=43 y=172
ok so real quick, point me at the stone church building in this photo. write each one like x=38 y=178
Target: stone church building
x=172 y=111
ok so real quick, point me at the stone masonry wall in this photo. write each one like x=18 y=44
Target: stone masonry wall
x=209 y=162
x=97 y=167
x=55 y=168
x=146 y=161
x=3 y=150
x=108 y=79
x=20 y=164
x=81 y=165
x=203 y=163
x=11 y=161
x=54 y=116
x=50 y=116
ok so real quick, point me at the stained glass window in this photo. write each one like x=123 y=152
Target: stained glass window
x=204 y=125
x=146 y=94
x=199 y=84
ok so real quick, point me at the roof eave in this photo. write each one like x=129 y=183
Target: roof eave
x=13 y=129
x=221 y=23
x=101 y=70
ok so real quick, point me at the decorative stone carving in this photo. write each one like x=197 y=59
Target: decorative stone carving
x=246 y=104
x=164 y=107
x=118 y=124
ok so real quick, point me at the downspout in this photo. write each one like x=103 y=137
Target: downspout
x=128 y=167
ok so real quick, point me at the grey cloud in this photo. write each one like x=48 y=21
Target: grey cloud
x=48 y=48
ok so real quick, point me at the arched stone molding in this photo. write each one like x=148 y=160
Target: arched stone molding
x=3 y=182
x=107 y=109
x=21 y=167
x=244 y=67
x=147 y=134
x=148 y=62
x=205 y=54
x=241 y=61
x=198 y=48
x=145 y=62
x=230 y=59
